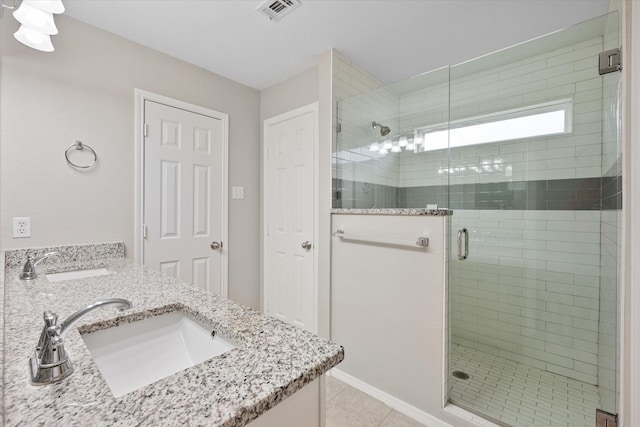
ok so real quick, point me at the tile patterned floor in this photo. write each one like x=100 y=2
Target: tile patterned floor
x=348 y=407
x=520 y=395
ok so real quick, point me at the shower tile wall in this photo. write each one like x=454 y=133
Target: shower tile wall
x=362 y=179
x=529 y=290
x=570 y=72
x=534 y=269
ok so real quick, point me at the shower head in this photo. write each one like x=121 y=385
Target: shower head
x=384 y=130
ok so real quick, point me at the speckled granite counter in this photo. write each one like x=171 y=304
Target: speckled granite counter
x=394 y=211
x=275 y=360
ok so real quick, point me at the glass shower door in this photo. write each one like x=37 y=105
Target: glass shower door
x=533 y=183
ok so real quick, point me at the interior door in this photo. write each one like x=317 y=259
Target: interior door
x=289 y=291
x=183 y=193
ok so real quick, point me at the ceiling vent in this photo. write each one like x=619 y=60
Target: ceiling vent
x=277 y=9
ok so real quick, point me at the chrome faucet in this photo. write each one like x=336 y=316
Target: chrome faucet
x=29 y=269
x=50 y=362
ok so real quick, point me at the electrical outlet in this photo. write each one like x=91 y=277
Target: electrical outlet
x=21 y=227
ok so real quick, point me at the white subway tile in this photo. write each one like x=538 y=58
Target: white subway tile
x=549 y=94
x=572 y=77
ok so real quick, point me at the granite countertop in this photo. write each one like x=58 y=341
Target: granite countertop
x=275 y=359
x=394 y=211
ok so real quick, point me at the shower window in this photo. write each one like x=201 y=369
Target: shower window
x=551 y=118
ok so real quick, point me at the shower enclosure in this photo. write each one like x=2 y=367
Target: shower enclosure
x=523 y=145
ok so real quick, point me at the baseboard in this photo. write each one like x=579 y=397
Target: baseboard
x=389 y=400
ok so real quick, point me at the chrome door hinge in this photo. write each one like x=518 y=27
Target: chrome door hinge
x=145 y=130
x=610 y=61
x=144 y=231
x=605 y=419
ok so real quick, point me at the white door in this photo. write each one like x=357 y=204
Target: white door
x=289 y=261
x=184 y=181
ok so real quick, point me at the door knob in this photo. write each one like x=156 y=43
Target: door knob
x=216 y=245
x=306 y=245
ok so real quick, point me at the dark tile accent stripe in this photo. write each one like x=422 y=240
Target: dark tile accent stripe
x=612 y=187
x=612 y=192
x=557 y=194
x=363 y=195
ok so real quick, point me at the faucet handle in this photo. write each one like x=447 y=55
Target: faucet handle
x=50 y=319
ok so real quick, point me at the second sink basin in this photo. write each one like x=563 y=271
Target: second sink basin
x=133 y=355
x=77 y=274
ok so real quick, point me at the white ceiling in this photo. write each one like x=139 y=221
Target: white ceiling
x=392 y=39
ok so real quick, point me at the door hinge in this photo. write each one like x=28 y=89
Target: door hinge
x=610 y=61
x=144 y=231
x=339 y=128
x=605 y=419
x=145 y=130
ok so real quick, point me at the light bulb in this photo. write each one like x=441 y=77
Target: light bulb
x=402 y=142
x=35 y=18
x=387 y=144
x=34 y=39
x=410 y=146
x=374 y=147
x=383 y=151
x=396 y=149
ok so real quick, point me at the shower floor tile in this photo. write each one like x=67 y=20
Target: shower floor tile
x=520 y=395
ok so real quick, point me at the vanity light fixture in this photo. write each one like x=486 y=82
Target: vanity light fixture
x=36 y=17
x=387 y=145
x=402 y=141
x=374 y=147
x=396 y=149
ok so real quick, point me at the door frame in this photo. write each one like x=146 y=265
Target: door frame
x=314 y=109
x=629 y=374
x=138 y=224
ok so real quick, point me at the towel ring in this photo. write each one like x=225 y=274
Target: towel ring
x=80 y=146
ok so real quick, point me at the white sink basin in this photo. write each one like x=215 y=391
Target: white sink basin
x=133 y=355
x=77 y=274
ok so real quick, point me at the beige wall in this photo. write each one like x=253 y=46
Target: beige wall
x=297 y=91
x=85 y=90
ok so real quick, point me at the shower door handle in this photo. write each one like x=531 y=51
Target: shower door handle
x=466 y=244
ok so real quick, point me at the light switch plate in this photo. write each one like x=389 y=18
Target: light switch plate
x=237 y=192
